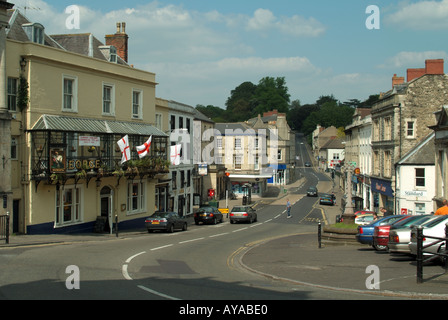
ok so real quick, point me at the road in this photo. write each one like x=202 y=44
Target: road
x=199 y=264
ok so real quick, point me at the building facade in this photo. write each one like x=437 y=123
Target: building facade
x=400 y=121
x=71 y=99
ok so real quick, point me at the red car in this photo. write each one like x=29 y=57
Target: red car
x=381 y=235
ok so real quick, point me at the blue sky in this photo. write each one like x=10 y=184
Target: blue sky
x=200 y=50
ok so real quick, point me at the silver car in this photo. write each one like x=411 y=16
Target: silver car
x=400 y=236
x=433 y=228
x=243 y=214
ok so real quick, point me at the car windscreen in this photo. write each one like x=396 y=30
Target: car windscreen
x=240 y=209
x=205 y=209
x=434 y=222
x=160 y=215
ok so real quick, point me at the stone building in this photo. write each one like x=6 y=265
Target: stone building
x=400 y=120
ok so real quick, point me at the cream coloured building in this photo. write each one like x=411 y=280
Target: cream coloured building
x=71 y=99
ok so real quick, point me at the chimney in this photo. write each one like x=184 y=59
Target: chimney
x=119 y=40
x=432 y=66
x=397 y=80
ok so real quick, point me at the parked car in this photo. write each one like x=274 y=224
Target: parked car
x=166 y=221
x=208 y=215
x=326 y=198
x=433 y=228
x=400 y=234
x=362 y=212
x=364 y=219
x=243 y=214
x=307 y=164
x=312 y=192
x=365 y=233
x=381 y=234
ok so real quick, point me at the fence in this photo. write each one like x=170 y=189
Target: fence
x=433 y=255
x=4 y=228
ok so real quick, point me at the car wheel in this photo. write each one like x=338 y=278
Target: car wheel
x=442 y=258
x=149 y=231
x=170 y=229
x=185 y=227
x=378 y=247
x=214 y=221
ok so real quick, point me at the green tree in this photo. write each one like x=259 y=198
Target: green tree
x=271 y=93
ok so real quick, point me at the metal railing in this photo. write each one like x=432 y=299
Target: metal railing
x=421 y=250
x=4 y=228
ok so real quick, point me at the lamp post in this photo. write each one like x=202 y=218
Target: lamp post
x=349 y=213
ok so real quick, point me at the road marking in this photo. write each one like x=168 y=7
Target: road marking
x=238 y=230
x=198 y=239
x=219 y=235
x=124 y=271
x=163 y=247
x=134 y=256
x=269 y=220
x=158 y=293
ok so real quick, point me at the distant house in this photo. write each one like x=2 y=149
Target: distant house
x=331 y=154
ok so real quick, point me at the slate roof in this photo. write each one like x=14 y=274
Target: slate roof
x=421 y=154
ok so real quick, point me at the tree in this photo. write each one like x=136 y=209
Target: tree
x=271 y=94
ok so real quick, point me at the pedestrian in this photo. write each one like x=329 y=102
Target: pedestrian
x=288 y=208
x=442 y=210
x=384 y=211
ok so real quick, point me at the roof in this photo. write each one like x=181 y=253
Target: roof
x=333 y=143
x=421 y=154
x=71 y=124
x=83 y=43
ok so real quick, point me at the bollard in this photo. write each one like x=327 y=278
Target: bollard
x=7 y=228
x=319 y=234
x=446 y=248
x=116 y=225
x=419 y=254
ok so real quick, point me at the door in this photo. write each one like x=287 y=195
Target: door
x=106 y=208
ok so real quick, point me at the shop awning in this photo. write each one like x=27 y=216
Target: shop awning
x=85 y=125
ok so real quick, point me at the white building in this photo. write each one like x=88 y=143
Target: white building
x=415 y=187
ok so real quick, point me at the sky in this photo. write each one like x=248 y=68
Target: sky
x=200 y=50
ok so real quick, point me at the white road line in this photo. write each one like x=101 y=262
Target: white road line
x=268 y=221
x=219 y=235
x=155 y=249
x=240 y=230
x=158 y=293
x=256 y=225
x=124 y=271
x=134 y=256
x=198 y=239
x=277 y=216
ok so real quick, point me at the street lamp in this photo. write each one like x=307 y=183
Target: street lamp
x=349 y=213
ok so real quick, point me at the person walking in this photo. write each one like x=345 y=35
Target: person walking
x=288 y=208
x=442 y=210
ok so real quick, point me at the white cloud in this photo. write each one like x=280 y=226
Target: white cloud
x=408 y=59
x=423 y=15
x=265 y=20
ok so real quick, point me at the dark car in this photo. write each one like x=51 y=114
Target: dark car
x=243 y=214
x=208 y=215
x=365 y=233
x=166 y=221
x=311 y=192
x=326 y=198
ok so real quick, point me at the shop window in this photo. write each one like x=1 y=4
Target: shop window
x=68 y=205
x=136 y=197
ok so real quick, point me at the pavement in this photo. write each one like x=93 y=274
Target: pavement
x=297 y=259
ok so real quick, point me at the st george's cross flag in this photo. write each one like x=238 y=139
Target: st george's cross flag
x=175 y=154
x=123 y=143
x=143 y=150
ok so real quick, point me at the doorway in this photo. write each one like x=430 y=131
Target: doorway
x=106 y=208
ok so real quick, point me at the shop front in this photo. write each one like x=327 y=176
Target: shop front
x=383 y=195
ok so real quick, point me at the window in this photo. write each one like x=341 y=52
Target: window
x=137 y=104
x=237 y=144
x=219 y=143
x=69 y=100
x=257 y=163
x=12 y=94
x=419 y=177
x=158 y=121
x=35 y=32
x=113 y=54
x=173 y=123
x=13 y=149
x=237 y=162
x=387 y=164
x=108 y=99
x=68 y=205
x=387 y=129
x=174 y=180
x=410 y=129
x=376 y=131
x=420 y=208
x=279 y=154
x=136 y=197
x=376 y=163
